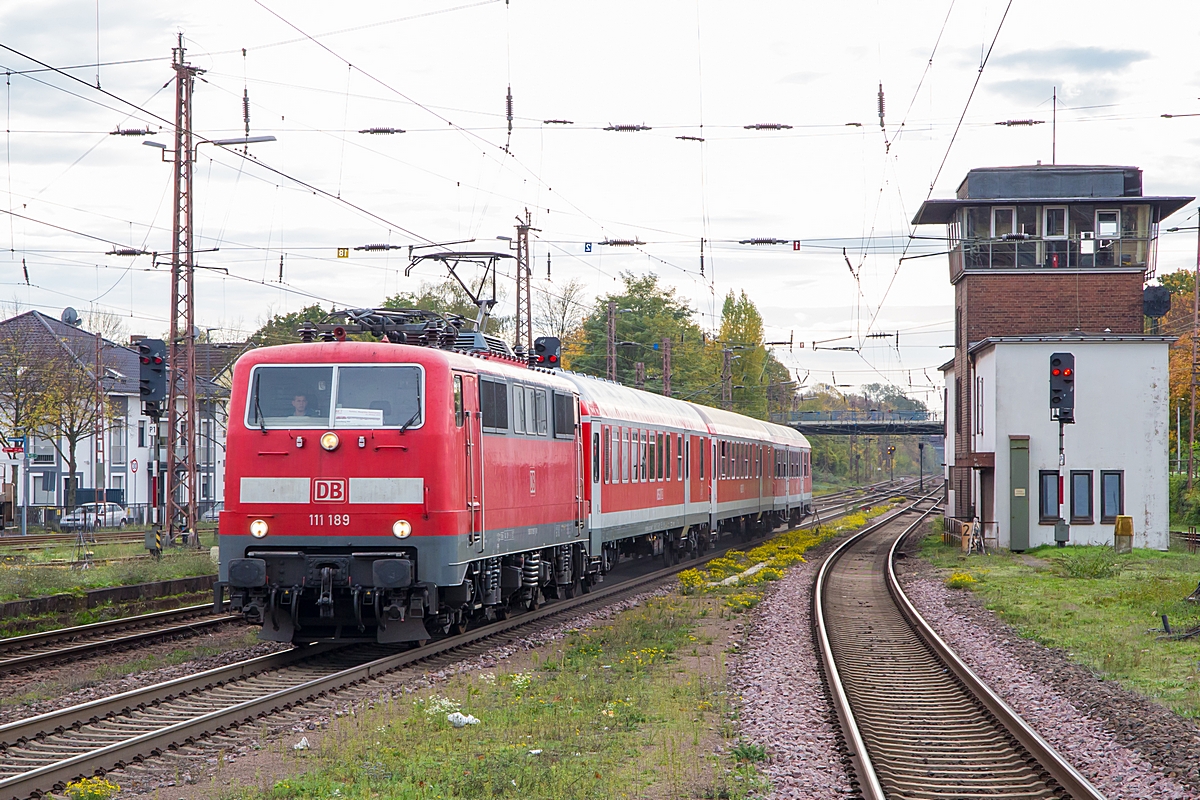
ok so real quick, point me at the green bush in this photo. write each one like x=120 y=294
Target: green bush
x=1089 y=562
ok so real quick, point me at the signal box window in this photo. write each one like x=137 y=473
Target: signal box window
x=1081 y=497
x=493 y=400
x=1048 y=497
x=290 y=397
x=1054 y=224
x=1112 y=495
x=1108 y=224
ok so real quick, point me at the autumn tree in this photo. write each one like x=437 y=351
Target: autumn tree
x=69 y=388
x=559 y=310
x=24 y=407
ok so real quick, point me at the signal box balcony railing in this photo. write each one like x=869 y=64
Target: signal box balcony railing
x=862 y=422
x=1021 y=252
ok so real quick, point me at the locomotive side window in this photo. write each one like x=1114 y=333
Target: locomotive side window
x=518 y=409
x=493 y=400
x=564 y=415
x=458 y=401
x=540 y=411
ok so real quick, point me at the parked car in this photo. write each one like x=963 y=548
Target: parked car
x=95 y=515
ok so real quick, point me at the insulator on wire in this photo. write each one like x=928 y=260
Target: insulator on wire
x=881 y=105
x=246 y=109
x=508 y=106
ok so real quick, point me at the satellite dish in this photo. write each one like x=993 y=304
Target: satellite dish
x=70 y=316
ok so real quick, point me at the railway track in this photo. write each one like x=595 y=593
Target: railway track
x=41 y=754
x=83 y=641
x=917 y=722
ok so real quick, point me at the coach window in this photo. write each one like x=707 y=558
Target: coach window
x=624 y=455
x=458 y=401
x=653 y=456
x=493 y=400
x=607 y=455
x=596 y=457
x=679 y=461
x=667 y=455
x=701 y=458
x=1081 y=497
x=518 y=409
x=1112 y=495
x=662 y=455
x=1047 y=496
x=645 y=445
x=721 y=448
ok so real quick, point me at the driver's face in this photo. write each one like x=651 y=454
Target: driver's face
x=300 y=403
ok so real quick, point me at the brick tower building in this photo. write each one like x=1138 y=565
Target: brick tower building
x=1050 y=259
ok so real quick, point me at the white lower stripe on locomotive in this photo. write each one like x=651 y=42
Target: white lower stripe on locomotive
x=387 y=490
x=274 y=490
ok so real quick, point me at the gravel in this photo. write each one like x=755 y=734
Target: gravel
x=777 y=681
x=1128 y=747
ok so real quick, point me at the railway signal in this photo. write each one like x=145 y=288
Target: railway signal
x=1062 y=387
x=547 y=351
x=152 y=374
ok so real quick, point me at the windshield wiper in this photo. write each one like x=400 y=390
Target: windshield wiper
x=262 y=423
x=411 y=420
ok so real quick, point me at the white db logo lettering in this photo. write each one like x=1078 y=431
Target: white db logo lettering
x=328 y=491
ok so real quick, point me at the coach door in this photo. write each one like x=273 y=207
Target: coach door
x=469 y=422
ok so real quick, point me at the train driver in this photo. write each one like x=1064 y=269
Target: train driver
x=300 y=405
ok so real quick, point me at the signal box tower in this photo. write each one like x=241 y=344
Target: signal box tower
x=1052 y=256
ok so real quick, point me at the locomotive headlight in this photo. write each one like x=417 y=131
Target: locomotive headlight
x=258 y=528
x=401 y=529
x=330 y=441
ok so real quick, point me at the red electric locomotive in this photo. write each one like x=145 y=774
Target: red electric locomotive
x=390 y=490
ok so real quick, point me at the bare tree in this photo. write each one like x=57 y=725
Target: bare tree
x=23 y=401
x=70 y=391
x=559 y=311
x=109 y=325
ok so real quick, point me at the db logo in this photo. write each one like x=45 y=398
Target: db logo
x=325 y=490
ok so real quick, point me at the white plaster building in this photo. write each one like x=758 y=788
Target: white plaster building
x=1115 y=453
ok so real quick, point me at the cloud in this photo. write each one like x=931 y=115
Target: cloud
x=1079 y=60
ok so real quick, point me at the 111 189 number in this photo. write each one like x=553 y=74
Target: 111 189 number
x=339 y=520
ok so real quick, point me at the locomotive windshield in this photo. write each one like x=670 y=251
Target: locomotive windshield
x=303 y=397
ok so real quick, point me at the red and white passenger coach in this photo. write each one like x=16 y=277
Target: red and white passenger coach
x=391 y=490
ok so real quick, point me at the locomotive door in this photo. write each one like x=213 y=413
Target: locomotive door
x=469 y=422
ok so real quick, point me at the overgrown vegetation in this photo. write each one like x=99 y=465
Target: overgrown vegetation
x=771 y=559
x=1102 y=608
x=21 y=581
x=610 y=712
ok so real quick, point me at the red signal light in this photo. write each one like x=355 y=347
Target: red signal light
x=553 y=359
x=1056 y=371
x=541 y=359
x=158 y=360
x=1068 y=371
x=145 y=359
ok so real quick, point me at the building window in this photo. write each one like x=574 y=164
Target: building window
x=1081 y=497
x=205 y=487
x=1108 y=224
x=1003 y=222
x=141 y=433
x=1112 y=495
x=979 y=404
x=1048 y=500
x=1054 y=224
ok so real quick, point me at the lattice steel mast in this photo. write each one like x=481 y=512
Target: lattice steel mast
x=180 y=494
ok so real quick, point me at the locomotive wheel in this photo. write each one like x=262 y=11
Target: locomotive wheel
x=458 y=628
x=501 y=612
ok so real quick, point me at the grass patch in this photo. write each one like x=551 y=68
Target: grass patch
x=609 y=712
x=1104 y=609
x=19 y=581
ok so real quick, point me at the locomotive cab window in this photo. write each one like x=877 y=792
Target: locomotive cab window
x=341 y=397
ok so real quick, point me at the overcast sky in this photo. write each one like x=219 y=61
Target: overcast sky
x=317 y=73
